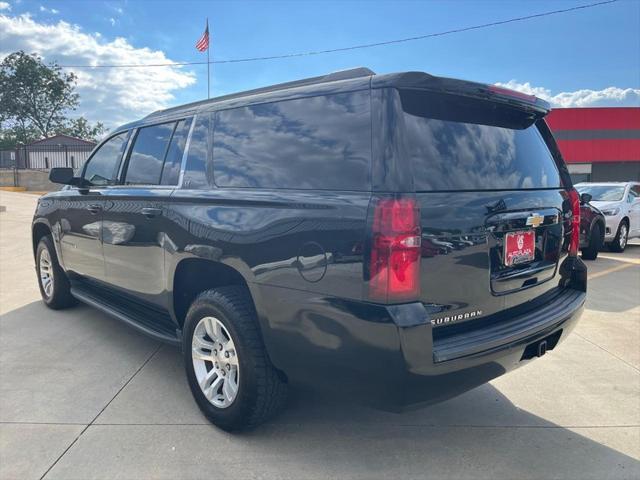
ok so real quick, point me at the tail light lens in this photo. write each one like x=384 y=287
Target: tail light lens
x=574 y=244
x=394 y=269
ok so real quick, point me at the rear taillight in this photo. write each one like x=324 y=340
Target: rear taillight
x=394 y=268
x=574 y=244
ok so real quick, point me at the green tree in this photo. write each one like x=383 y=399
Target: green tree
x=12 y=136
x=34 y=95
x=81 y=128
x=34 y=102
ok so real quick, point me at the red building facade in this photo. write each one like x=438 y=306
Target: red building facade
x=599 y=144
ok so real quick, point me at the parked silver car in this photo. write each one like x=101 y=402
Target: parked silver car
x=620 y=203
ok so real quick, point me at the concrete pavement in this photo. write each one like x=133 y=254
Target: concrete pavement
x=83 y=396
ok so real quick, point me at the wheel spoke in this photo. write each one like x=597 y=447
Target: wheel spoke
x=211 y=376
x=198 y=354
x=230 y=388
x=212 y=391
x=213 y=329
x=202 y=344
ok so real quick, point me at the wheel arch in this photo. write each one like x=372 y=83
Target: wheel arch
x=195 y=275
x=38 y=230
x=603 y=228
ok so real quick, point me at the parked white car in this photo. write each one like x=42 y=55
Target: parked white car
x=620 y=203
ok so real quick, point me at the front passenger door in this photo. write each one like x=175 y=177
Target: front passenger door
x=80 y=227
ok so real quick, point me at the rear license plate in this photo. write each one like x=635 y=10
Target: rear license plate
x=519 y=247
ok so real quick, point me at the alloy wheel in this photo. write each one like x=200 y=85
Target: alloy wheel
x=46 y=273
x=215 y=362
x=623 y=236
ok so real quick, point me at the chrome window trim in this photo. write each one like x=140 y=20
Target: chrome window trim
x=125 y=156
x=185 y=154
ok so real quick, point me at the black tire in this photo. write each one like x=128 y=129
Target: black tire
x=60 y=294
x=619 y=243
x=595 y=244
x=261 y=389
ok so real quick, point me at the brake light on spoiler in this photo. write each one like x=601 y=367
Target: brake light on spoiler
x=394 y=262
x=507 y=92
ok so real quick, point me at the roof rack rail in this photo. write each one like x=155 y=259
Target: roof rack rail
x=330 y=77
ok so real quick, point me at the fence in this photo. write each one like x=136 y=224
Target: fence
x=45 y=157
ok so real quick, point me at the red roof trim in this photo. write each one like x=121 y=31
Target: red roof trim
x=600 y=151
x=604 y=118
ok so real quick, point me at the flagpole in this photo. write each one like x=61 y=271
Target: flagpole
x=208 y=62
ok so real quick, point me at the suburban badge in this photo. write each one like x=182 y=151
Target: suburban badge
x=455 y=318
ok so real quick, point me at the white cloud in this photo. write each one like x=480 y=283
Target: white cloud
x=49 y=10
x=112 y=21
x=5 y=6
x=607 y=97
x=110 y=95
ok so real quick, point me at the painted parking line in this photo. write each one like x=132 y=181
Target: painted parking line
x=634 y=261
x=610 y=270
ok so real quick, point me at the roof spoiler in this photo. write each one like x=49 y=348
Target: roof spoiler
x=421 y=80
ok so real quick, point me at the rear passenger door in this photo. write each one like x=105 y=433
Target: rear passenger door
x=134 y=225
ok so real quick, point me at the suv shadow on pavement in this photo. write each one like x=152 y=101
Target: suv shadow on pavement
x=480 y=434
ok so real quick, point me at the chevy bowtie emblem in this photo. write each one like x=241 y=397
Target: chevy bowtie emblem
x=535 y=220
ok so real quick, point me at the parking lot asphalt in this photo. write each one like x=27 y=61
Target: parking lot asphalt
x=83 y=396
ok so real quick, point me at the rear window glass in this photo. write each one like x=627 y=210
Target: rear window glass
x=173 y=160
x=602 y=193
x=199 y=170
x=147 y=155
x=321 y=142
x=463 y=144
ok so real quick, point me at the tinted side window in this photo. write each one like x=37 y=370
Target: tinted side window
x=102 y=168
x=462 y=144
x=320 y=142
x=198 y=171
x=147 y=154
x=173 y=160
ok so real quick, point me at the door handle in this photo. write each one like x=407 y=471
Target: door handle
x=151 y=212
x=94 y=208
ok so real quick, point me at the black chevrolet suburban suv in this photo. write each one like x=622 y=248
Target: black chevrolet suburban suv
x=397 y=238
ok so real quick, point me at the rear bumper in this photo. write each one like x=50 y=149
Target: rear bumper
x=461 y=362
x=388 y=356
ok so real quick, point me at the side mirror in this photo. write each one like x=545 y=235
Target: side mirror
x=585 y=198
x=63 y=175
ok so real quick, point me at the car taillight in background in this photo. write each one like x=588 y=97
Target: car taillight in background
x=574 y=198
x=394 y=268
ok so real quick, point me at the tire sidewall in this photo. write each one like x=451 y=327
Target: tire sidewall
x=615 y=244
x=245 y=397
x=595 y=244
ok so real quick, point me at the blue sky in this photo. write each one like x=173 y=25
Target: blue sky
x=584 y=58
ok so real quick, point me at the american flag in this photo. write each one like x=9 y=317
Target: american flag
x=203 y=42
